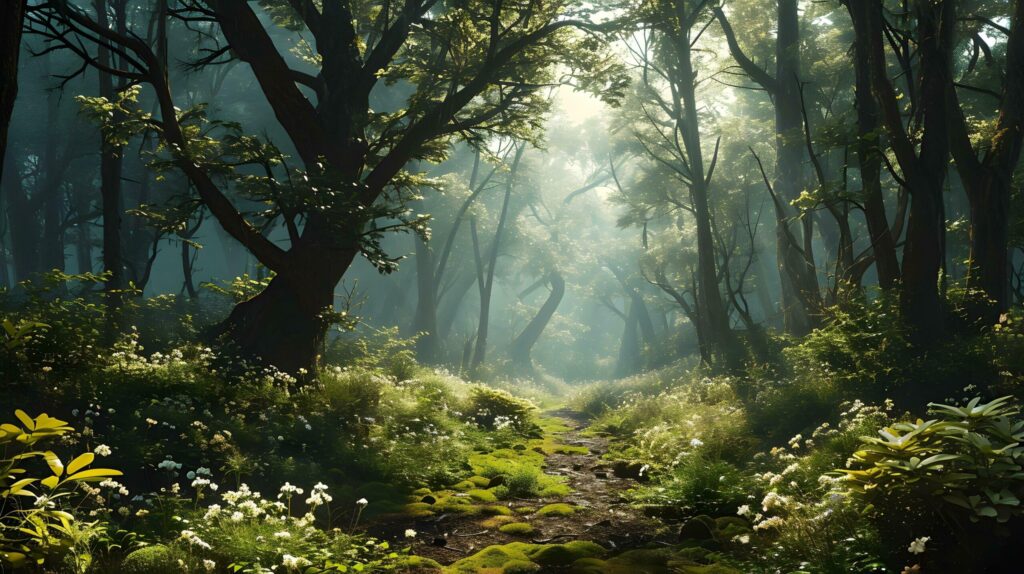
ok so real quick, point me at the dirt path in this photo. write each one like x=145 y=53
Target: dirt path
x=602 y=514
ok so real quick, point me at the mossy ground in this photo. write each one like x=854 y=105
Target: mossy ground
x=538 y=505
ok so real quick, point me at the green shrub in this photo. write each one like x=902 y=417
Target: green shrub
x=967 y=459
x=493 y=409
x=154 y=559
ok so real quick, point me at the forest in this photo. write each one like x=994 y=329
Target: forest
x=511 y=286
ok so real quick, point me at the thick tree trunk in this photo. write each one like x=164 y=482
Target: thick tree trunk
x=23 y=220
x=10 y=47
x=523 y=344
x=923 y=254
x=285 y=324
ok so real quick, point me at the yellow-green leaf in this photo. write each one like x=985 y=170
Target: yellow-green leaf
x=50 y=482
x=25 y=419
x=95 y=474
x=80 y=462
x=53 y=461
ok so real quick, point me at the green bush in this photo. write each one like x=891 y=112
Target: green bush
x=154 y=559
x=493 y=409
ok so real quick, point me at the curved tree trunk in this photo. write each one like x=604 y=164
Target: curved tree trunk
x=523 y=344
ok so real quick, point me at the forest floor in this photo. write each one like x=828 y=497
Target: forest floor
x=593 y=508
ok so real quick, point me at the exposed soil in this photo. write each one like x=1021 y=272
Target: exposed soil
x=603 y=515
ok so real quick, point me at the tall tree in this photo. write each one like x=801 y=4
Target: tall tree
x=474 y=68
x=801 y=302
x=923 y=165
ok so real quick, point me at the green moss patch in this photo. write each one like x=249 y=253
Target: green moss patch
x=482 y=495
x=496 y=510
x=523 y=557
x=517 y=529
x=557 y=509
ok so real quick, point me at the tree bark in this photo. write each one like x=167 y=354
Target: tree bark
x=629 y=349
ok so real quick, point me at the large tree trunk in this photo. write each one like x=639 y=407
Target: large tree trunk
x=924 y=166
x=10 y=47
x=920 y=300
x=285 y=324
x=523 y=344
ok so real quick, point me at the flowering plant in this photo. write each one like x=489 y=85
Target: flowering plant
x=34 y=511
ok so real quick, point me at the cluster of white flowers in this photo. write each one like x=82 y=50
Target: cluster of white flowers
x=288 y=490
x=282 y=534
x=774 y=500
x=918 y=545
x=200 y=482
x=115 y=486
x=193 y=539
x=770 y=522
x=294 y=562
x=502 y=422
x=102 y=450
x=696 y=442
x=319 y=495
x=209 y=565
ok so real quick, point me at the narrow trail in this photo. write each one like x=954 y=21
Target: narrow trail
x=602 y=513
